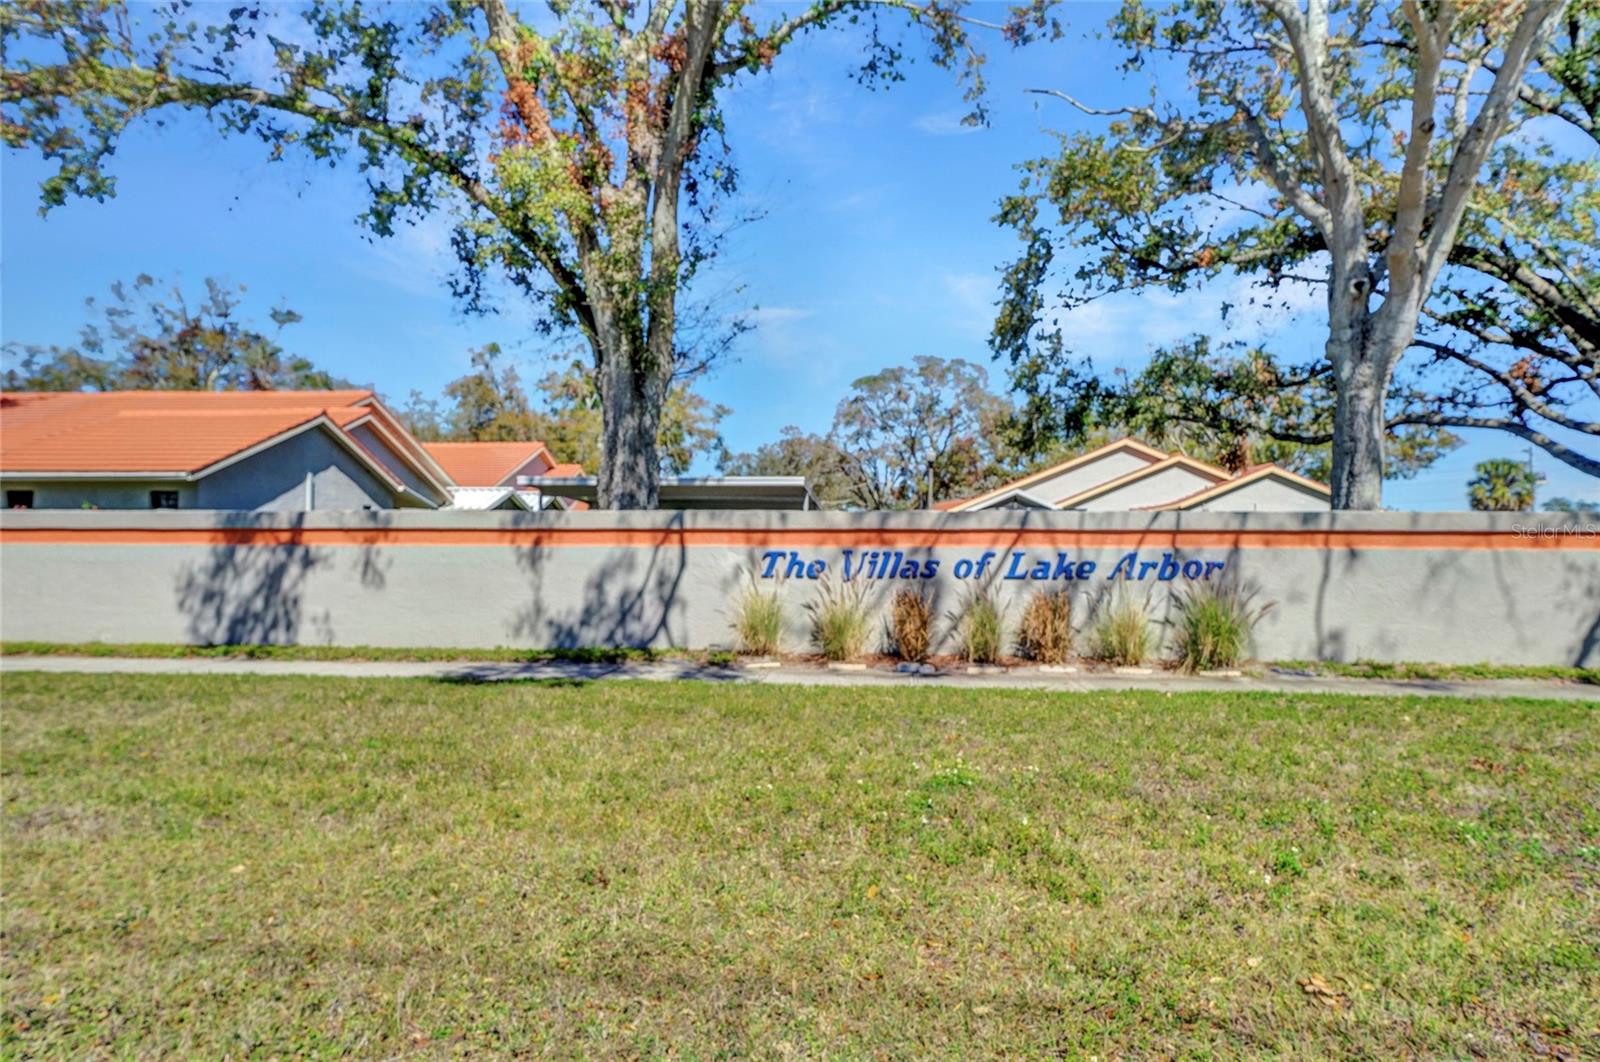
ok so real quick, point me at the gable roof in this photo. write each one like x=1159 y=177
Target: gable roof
x=187 y=435
x=172 y=432
x=484 y=464
x=484 y=498
x=1211 y=472
x=1123 y=445
x=1250 y=475
x=1015 y=496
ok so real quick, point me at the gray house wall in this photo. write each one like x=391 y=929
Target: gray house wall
x=102 y=494
x=274 y=480
x=1456 y=588
x=391 y=460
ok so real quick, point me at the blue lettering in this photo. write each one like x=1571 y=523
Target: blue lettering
x=963 y=568
x=1214 y=566
x=1130 y=560
x=815 y=569
x=1085 y=569
x=930 y=568
x=1168 y=570
x=1192 y=569
x=772 y=557
x=1013 y=572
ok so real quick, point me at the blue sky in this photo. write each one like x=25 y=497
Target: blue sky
x=875 y=244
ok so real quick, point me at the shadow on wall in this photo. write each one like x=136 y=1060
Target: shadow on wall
x=631 y=600
x=247 y=591
x=948 y=598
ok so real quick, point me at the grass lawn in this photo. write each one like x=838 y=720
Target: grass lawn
x=289 y=866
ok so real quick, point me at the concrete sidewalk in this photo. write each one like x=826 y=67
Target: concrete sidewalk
x=804 y=675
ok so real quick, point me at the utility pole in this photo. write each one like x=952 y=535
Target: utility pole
x=1534 y=477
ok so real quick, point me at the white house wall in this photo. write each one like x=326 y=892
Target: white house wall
x=1265 y=496
x=1158 y=488
x=1077 y=480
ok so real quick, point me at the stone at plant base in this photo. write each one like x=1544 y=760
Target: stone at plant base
x=1058 y=669
x=1134 y=670
x=927 y=669
x=846 y=665
x=1224 y=672
x=761 y=661
x=909 y=667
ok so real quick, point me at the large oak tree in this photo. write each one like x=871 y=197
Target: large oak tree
x=1340 y=143
x=579 y=145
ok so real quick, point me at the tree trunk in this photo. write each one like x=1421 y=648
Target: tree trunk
x=631 y=396
x=1358 y=426
x=1361 y=375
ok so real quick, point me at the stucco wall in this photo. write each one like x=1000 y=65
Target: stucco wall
x=274 y=480
x=1388 y=586
x=401 y=470
x=1266 y=496
x=106 y=494
x=1158 y=488
x=1080 y=479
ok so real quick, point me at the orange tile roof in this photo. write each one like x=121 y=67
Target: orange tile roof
x=567 y=470
x=482 y=464
x=174 y=432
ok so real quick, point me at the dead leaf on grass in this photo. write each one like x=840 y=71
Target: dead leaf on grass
x=1322 y=992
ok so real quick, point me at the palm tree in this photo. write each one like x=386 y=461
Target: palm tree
x=1502 y=485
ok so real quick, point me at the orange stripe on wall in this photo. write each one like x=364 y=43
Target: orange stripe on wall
x=810 y=538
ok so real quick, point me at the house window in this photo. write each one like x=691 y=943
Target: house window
x=163 y=499
x=19 y=499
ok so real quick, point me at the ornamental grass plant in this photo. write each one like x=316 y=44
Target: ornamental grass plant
x=758 y=621
x=911 y=625
x=1045 y=633
x=982 y=628
x=839 y=623
x=1215 y=622
x=1122 y=631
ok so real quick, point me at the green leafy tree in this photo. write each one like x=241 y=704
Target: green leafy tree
x=491 y=404
x=1337 y=144
x=149 y=337
x=1239 y=406
x=571 y=423
x=1502 y=485
x=903 y=438
x=581 y=148
x=799 y=453
x=488 y=404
